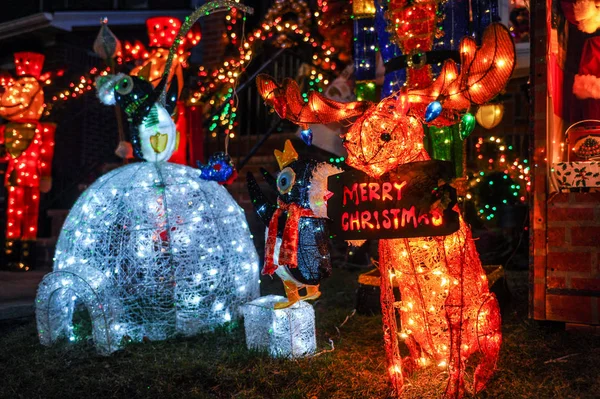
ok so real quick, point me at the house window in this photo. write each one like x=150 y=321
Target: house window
x=515 y=15
x=133 y=4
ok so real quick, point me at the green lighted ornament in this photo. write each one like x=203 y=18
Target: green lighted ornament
x=467 y=124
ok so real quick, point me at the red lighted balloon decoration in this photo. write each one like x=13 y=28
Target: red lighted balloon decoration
x=29 y=147
x=449 y=319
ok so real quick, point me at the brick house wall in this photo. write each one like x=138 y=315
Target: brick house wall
x=572 y=258
x=564 y=246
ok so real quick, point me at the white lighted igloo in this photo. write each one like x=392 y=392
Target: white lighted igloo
x=151 y=251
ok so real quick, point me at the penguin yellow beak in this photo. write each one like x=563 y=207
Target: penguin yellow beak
x=159 y=142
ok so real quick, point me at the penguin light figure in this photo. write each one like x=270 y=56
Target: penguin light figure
x=297 y=247
x=153 y=132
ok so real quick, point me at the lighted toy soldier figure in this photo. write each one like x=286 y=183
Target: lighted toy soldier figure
x=28 y=145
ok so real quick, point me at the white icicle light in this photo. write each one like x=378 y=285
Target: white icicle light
x=288 y=332
x=148 y=259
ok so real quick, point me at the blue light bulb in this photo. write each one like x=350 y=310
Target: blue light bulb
x=307 y=136
x=434 y=109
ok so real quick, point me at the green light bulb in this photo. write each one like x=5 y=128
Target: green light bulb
x=467 y=124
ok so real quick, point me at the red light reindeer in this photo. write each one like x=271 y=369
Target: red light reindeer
x=447 y=312
x=29 y=147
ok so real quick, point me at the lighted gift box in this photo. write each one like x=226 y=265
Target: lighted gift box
x=288 y=332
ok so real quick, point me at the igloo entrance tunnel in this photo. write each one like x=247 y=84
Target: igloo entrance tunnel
x=151 y=251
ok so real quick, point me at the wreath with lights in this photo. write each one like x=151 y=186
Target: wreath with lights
x=499 y=178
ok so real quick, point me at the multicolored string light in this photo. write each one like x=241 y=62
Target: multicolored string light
x=497 y=163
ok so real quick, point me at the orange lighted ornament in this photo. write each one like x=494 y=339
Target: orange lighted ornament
x=449 y=319
x=29 y=147
x=490 y=115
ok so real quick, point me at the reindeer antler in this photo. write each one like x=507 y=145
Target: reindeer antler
x=484 y=73
x=287 y=101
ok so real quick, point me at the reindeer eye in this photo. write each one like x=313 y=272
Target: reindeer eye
x=386 y=137
x=125 y=85
x=286 y=180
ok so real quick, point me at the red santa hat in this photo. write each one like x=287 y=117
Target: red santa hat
x=29 y=64
x=163 y=30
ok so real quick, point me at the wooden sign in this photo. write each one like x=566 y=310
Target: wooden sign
x=415 y=200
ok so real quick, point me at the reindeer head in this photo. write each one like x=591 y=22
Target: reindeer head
x=382 y=137
x=386 y=135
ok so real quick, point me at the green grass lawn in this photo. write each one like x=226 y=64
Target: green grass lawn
x=219 y=365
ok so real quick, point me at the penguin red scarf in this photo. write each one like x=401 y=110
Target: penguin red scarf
x=288 y=252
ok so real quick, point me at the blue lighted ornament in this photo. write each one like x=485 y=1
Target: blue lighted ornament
x=434 y=109
x=219 y=168
x=307 y=136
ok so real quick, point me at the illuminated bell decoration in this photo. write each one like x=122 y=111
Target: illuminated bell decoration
x=467 y=124
x=490 y=115
x=288 y=332
x=307 y=136
x=151 y=251
x=434 y=109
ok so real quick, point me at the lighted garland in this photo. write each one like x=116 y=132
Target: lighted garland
x=129 y=53
x=334 y=21
x=217 y=87
x=271 y=27
x=76 y=88
x=499 y=177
